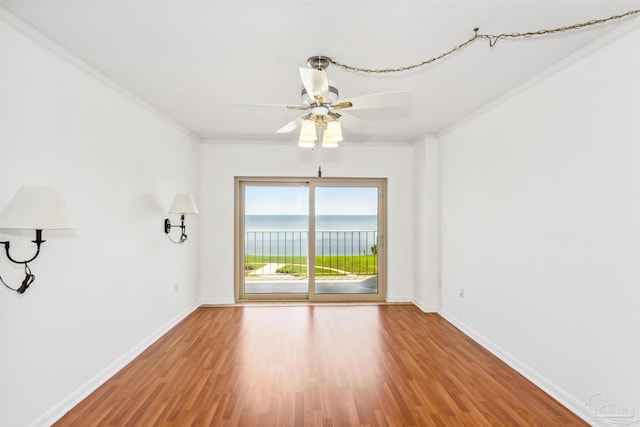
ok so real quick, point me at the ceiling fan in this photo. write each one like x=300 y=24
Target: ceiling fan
x=325 y=112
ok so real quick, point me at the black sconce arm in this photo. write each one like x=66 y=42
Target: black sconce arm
x=29 y=278
x=38 y=242
x=168 y=227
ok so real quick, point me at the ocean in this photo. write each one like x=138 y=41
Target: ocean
x=272 y=235
x=301 y=222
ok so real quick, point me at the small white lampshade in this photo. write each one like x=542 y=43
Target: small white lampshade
x=183 y=204
x=308 y=134
x=36 y=208
x=329 y=144
x=333 y=132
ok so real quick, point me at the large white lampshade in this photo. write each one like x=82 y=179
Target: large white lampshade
x=36 y=208
x=183 y=204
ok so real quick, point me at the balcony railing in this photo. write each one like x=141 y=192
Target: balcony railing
x=337 y=253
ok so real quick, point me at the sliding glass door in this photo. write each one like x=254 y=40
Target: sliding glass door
x=310 y=239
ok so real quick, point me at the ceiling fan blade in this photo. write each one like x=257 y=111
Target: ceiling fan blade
x=353 y=123
x=287 y=106
x=291 y=126
x=246 y=104
x=316 y=83
x=379 y=100
x=340 y=105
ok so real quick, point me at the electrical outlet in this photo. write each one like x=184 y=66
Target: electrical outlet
x=176 y=288
x=461 y=292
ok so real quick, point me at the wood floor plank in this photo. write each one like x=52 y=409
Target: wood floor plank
x=317 y=365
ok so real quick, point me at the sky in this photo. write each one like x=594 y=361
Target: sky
x=262 y=200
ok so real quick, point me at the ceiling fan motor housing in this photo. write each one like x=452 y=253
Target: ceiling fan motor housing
x=319 y=111
x=333 y=94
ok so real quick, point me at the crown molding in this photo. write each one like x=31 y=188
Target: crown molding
x=609 y=37
x=60 y=51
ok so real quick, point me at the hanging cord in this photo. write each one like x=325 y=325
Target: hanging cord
x=183 y=238
x=493 y=39
x=28 y=280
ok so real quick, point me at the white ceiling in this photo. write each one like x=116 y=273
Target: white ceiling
x=192 y=59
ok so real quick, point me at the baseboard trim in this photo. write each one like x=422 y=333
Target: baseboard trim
x=59 y=410
x=215 y=302
x=569 y=401
x=426 y=308
x=399 y=299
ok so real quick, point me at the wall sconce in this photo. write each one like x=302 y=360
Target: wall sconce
x=183 y=204
x=33 y=208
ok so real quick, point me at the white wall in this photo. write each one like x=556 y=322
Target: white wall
x=426 y=224
x=541 y=226
x=105 y=289
x=221 y=162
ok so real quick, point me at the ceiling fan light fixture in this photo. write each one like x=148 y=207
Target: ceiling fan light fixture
x=322 y=107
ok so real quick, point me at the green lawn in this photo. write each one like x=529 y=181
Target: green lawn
x=256 y=259
x=301 y=270
x=325 y=265
x=252 y=266
x=357 y=264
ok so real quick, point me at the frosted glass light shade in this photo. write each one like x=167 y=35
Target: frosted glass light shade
x=183 y=204
x=306 y=144
x=333 y=132
x=329 y=144
x=308 y=134
x=36 y=208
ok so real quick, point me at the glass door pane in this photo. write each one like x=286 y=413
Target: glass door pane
x=346 y=240
x=275 y=240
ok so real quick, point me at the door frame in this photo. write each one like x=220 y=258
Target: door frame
x=311 y=182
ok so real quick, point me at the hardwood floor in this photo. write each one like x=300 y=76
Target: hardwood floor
x=317 y=365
